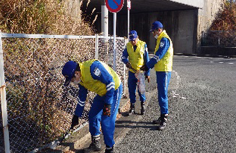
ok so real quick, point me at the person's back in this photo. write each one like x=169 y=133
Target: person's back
x=90 y=69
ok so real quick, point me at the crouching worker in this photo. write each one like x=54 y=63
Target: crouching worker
x=98 y=77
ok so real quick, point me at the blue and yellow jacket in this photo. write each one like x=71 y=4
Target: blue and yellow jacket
x=98 y=77
x=163 y=55
x=137 y=55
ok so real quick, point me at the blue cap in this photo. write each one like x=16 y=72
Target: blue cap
x=156 y=25
x=133 y=35
x=68 y=71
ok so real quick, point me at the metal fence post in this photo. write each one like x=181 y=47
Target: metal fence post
x=96 y=46
x=218 y=41
x=125 y=81
x=3 y=100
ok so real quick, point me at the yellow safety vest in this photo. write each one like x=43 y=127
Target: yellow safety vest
x=95 y=85
x=136 y=58
x=166 y=63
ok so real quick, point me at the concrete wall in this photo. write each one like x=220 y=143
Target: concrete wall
x=180 y=25
x=185 y=27
x=206 y=16
x=194 y=3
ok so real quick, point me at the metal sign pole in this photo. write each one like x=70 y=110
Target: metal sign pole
x=114 y=6
x=128 y=16
x=114 y=38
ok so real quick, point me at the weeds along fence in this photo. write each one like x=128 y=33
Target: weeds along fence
x=219 y=38
x=219 y=43
x=36 y=108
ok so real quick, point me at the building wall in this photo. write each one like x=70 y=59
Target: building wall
x=180 y=25
x=185 y=27
x=206 y=15
x=194 y=3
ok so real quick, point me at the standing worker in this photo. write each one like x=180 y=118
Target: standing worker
x=135 y=55
x=98 y=77
x=162 y=63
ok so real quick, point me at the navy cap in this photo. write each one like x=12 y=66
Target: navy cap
x=68 y=71
x=133 y=35
x=156 y=25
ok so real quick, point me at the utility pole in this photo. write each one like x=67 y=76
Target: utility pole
x=104 y=29
x=104 y=19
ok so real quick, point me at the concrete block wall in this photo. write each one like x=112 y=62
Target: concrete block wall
x=206 y=16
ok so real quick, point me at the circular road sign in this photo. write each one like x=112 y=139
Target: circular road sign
x=114 y=5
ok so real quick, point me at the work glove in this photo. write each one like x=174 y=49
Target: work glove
x=128 y=65
x=144 y=68
x=75 y=121
x=107 y=110
x=147 y=78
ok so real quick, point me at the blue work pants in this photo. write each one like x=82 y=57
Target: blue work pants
x=132 y=85
x=163 y=80
x=107 y=122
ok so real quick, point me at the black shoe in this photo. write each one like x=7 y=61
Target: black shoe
x=109 y=150
x=95 y=145
x=158 y=121
x=163 y=122
x=131 y=111
x=143 y=108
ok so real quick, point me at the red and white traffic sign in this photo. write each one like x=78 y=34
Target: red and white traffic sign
x=114 y=6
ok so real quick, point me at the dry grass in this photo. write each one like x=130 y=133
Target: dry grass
x=224 y=27
x=41 y=17
x=34 y=81
x=226 y=19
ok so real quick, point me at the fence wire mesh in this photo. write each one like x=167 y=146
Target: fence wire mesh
x=219 y=38
x=39 y=107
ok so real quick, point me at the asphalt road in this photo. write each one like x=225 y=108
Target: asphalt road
x=202 y=105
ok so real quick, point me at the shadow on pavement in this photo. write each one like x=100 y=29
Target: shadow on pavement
x=134 y=124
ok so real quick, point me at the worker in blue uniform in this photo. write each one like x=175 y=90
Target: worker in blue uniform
x=162 y=63
x=135 y=55
x=98 y=77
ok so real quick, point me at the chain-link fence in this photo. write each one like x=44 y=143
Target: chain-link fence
x=39 y=107
x=219 y=38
